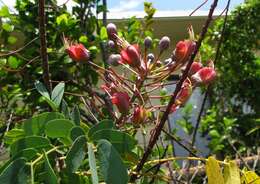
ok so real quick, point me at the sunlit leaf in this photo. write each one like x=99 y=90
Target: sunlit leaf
x=213 y=171
x=231 y=173
x=250 y=177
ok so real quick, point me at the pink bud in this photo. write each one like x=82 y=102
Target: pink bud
x=111 y=30
x=122 y=101
x=131 y=56
x=114 y=59
x=148 y=42
x=164 y=43
x=204 y=75
x=78 y=52
x=111 y=44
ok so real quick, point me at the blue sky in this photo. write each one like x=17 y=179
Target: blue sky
x=167 y=5
x=128 y=8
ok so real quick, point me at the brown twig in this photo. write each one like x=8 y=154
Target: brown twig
x=22 y=68
x=43 y=49
x=18 y=50
x=159 y=127
x=202 y=4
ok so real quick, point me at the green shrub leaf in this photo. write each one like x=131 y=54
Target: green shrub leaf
x=75 y=115
x=36 y=142
x=42 y=89
x=50 y=178
x=92 y=164
x=121 y=141
x=76 y=154
x=13 y=135
x=45 y=94
x=104 y=124
x=14 y=172
x=57 y=93
x=65 y=109
x=36 y=125
x=111 y=165
x=58 y=128
x=75 y=132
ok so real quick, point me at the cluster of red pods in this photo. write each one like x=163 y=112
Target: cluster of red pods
x=131 y=91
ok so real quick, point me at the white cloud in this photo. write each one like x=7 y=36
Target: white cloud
x=126 y=5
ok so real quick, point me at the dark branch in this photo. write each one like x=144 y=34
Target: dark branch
x=159 y=127
x=43 y=49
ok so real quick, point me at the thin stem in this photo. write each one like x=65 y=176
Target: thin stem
x=87 y=106
x=32 y=173
x=32 y=163
x=18 y=50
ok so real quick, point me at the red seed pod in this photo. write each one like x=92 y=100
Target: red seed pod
x=78 y=52
x=196 y=66
x=139 y=115
x=131 y=56
x=204 y=75
x=122 y=101
x=183 y=95
x=183 y=50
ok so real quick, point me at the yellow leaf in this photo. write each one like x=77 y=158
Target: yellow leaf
x=231 y=173
x=213 y=171
x=250 y=177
